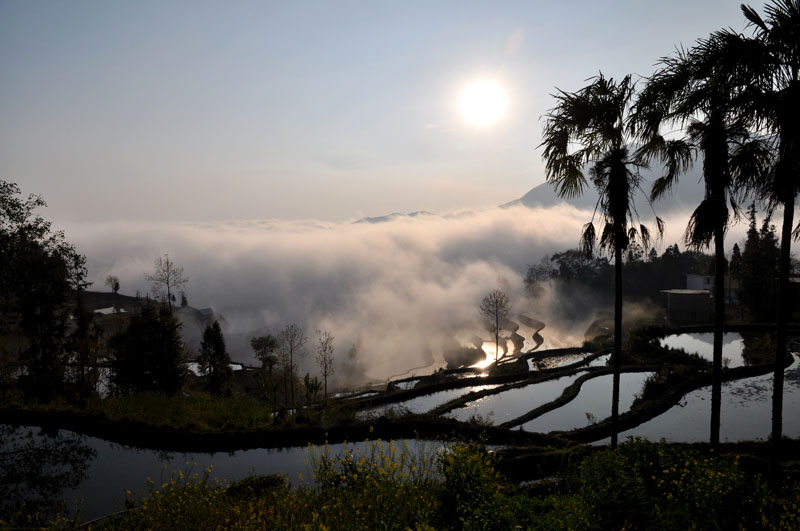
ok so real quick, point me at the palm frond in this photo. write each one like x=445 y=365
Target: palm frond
x=753 y=17
x=588 y=238
x=751 y=164
x=703 y=221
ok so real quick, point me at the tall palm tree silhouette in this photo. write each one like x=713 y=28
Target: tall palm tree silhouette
x=699 y=92
x=772 y=60
x=589 y=128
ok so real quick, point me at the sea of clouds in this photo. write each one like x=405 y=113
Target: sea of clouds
x=399 y=289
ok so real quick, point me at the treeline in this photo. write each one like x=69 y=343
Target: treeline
x=752 y=271
x=52 y=348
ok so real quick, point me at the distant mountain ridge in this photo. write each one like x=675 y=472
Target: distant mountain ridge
x=394 y=216
x=685 y=195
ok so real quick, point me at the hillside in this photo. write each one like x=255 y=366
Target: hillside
x=685 y=195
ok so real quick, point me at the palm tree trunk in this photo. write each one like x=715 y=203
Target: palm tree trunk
x=780 y=353
x=719 y=322
x=617 y=344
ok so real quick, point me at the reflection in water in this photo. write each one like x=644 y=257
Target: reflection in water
x=37 y=467
x=703 y=344
x=422 y=404
x=514 y=403
x=746 y=412
x=102 y=471
x=592 y=404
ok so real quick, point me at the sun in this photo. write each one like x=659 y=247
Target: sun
x=483 y=103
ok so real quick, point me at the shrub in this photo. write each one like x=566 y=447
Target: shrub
x=645 y=485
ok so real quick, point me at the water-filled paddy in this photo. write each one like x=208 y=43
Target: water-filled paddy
x=103 y=478
x=746 y=412
x=592 y=404
x=703 y=344
x=508 y=405
x=424 y=403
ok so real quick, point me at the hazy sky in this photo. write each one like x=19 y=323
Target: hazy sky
x=178 y=110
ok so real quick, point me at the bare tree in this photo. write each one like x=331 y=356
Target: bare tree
x=496 y=306
x=113 y=283
x=324 y=356
x=167 y=278
x=291 y=341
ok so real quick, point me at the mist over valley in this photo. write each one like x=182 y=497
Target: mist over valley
x=397 y=291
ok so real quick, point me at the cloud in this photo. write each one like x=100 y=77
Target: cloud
x=399 y=290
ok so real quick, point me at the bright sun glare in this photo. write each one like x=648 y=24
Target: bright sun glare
x=483 y=103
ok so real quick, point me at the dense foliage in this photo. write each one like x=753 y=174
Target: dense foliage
x=214 y=361
x=148 y=356
x=39 y=275
x=578 y=277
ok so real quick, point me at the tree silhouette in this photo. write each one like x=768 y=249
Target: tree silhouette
x=113 y=283
x=167 y=278
x=291 y=341
x=148 y=355
x=264 y=348
x=496 y=306
x=700 y=90
x=589 y=127
x=39 y=272
x=214 y=361
x=324 y=357
x=772 y=60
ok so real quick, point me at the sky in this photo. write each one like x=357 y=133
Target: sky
x=199 y=111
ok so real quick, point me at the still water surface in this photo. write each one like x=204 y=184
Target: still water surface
x=592 y=404
x=97 y=483
x=509 y=405
x=746 y=412
x=703 y=344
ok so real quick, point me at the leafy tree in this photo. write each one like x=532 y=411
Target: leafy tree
x=313 y=386
x=699 y=90
x=759 y=267
x=324 y=357
x=735 y=267
x=264 y=348
x=590 y=127
x=538 y=274
x=495 y=306
x=82 y=347
x=148 y=355
x=167 y=279
x=113 y=283
x=214 y=361
x=40 y=273
x=291 y=341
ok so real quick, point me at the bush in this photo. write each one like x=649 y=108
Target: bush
x=647 y=486
x=469 y=487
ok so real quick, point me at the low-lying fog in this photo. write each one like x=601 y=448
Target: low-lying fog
x=398 y=290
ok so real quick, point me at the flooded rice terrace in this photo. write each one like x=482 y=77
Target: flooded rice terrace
x=94 y=474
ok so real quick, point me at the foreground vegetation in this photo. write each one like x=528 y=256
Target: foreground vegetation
x=640 y=486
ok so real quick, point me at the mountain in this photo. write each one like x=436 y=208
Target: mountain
x=685 y=195
x=394 y=216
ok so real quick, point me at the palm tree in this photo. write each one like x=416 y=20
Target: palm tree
x=589 y=128
x=698 y=91
x=774 y=55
